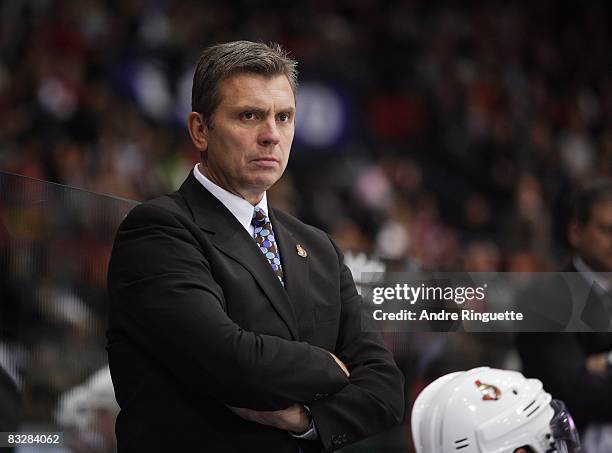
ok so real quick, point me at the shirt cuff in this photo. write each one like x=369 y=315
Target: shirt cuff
x=311 y=432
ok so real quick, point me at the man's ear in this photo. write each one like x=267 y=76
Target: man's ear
x=198 y=131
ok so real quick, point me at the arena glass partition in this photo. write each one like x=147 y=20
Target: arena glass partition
x=55 y=243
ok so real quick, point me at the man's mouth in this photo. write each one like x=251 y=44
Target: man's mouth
x=266 y=161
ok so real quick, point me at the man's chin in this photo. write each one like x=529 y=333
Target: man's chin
x=264 y=182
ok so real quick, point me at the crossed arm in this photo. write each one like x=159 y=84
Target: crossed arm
x=294 y=418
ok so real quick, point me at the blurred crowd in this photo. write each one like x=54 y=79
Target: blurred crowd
x=461 y=130
x=465 y=126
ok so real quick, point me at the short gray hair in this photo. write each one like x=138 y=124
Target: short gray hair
x=221 y=61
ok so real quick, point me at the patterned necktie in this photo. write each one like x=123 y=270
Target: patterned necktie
x=264 y=236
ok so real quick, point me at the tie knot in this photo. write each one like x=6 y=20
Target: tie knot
x=259 y=217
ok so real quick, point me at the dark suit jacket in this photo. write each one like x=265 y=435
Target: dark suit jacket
x=559 y=359
x=199 y=320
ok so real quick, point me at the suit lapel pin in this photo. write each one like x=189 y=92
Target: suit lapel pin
x=301 y=251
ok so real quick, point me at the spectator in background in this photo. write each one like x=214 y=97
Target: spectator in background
x=590 y=233
x=577 y=367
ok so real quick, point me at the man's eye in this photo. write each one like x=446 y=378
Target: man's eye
x=606 y=229
x=284 y=117
x=248 y=115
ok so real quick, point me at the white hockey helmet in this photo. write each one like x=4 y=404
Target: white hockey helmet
x=486 y=410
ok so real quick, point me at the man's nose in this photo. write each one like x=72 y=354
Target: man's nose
x=269 y=134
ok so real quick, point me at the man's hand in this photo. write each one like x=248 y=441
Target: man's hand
x=341 y=365
x=294 y=418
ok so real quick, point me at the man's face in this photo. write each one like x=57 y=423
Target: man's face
x=250 y=137
x=593 y=241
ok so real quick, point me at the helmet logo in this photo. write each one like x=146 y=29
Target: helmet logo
x=489 y=392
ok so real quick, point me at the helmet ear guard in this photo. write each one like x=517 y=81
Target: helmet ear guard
x=563 y=427
x=488 y=410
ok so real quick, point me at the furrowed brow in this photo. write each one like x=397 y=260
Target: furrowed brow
x=250 y=108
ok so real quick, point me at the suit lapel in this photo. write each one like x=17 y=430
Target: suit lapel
x=230 y=237
x=295 y=268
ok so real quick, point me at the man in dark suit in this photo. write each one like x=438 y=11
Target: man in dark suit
x=577 y=367
x=235 y=327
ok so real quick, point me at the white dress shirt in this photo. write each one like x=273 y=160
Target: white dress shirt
x=243 y=211
x=602 y=284
x=239 y=207
x=602 y=279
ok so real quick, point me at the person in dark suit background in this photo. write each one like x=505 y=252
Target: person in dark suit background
x=234 y=326
x=577 y=367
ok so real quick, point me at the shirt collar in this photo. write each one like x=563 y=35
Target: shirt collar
x=239 y=207
x=590 y=275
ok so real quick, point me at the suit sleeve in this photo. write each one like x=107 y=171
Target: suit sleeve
x=560 y=362
x=165 y=299
x=374 y=399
